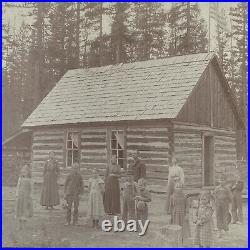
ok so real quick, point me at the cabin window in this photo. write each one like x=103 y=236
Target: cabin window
x=118 y=146
x=72 y=148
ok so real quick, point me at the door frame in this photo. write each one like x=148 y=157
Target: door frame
x=208 y=134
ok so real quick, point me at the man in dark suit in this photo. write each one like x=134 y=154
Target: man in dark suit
x=139 y=168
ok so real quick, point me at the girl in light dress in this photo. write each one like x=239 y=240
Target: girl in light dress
x=176 y=175
x=95 y=203
x=24 y=204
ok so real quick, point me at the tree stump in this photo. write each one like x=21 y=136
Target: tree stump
x=171 y=235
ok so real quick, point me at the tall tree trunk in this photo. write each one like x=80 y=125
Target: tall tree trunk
x=101 y=35
x=244 y=84
x=188 y=28
x=77 y=34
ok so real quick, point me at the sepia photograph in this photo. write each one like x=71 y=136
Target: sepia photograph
x=125 y=124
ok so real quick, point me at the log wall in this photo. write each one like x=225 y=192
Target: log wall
x=44 y=141
x=188 y=147
x=154 y=144
x=225 y=155
x=188 y=152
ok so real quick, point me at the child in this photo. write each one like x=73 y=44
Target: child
x=72 y=189
x=179 y=210
x=142 y=197
x=24 y=205
x=237 y=200
x=128 y=211
x=223 y=197
x=95 y=204
x=204 y=222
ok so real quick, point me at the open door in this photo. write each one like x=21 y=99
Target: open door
x=208 y=160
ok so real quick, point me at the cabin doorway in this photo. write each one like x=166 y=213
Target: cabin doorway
x=208 y=160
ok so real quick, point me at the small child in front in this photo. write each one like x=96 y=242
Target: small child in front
x=141 y=198
x=204 y=222
x=24 y=205
x=72 y=189
x=180 y=210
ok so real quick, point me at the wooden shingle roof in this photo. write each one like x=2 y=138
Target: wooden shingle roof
x=152 y=89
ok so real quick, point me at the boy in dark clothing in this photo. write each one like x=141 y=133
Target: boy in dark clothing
x=237 y=200
x=128 y=212
x=223 y=197
x=72 y=189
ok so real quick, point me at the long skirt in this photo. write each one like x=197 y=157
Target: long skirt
x=204 y=235
x=50 y=195
x=112 y=196
x=24 y=208
x=95 y=205
x=170 y=191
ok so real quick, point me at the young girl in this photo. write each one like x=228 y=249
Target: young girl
x=24 y=205
x=204 y=222
x=179 y=210
x=95 y=205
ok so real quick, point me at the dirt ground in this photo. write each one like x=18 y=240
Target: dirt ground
x=46 y=228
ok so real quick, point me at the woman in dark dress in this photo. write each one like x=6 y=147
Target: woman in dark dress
x=112 y=189
x=50 y=195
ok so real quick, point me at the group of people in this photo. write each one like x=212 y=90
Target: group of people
x=218 y=201
x=104 y=197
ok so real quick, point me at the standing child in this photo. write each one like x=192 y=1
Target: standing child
x=24 y=205
x=142 y=197
x=223 y=197
x=95 y=204
x=128 y=212
x=204 y=222
x=72 y=190
x=237 y=200
x=179 y=210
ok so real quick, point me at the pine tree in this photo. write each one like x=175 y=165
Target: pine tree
x=120 y=34
x=239 y=17
x=188 y=30
x=149 y=24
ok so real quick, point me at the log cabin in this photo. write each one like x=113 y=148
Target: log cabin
x=179 y=104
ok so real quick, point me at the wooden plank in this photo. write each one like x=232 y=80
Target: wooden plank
x=94 y=160
x=92 y=146
x=86 y=140
x=147 y=139
x=146 y=133
x=47 y=147
x=147 y=148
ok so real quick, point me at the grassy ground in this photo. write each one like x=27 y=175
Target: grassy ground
x=46 y=228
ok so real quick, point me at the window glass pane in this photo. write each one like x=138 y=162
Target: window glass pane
x=120 y=162
x=113 y=144
x=113 y=135
x=120 y=154
x=69 y=136
x=69 y=158
x=75 y=156
x=75 y=139
x=114 y=152
x=69 y=144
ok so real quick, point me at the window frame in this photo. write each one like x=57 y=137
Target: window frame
x=111 y=149
x=72 y=149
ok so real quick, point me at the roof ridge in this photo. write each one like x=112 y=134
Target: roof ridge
x=111 y=67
